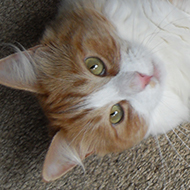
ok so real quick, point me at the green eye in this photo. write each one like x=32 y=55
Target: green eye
x=116 y=114
x=95 y=66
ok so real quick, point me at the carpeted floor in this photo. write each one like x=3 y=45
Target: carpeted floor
x=24 y=137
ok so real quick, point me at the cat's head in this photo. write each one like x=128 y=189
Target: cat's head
x=96 y=89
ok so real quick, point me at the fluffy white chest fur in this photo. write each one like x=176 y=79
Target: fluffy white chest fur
x=157 y=33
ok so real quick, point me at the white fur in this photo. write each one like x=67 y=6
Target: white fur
x=158 y=34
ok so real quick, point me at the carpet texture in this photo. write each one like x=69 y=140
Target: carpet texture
x=24 y=137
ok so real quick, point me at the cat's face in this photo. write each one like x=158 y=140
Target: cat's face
x=97 y=88
x=98 y=91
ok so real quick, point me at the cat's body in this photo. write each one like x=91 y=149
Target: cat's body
x=108 y=74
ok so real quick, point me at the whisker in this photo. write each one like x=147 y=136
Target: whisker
x=160 y=151
x=181 y=139
x=168 y=106
x=156 y=50
x=158 y=27
x=133 y=26
x=154 y=33
x=182 y=132
x=185 y=129
x=161 y=156
x=173 y=147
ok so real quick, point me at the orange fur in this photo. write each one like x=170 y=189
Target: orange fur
x=64 y=81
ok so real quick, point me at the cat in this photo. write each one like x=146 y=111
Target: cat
x=107 y=73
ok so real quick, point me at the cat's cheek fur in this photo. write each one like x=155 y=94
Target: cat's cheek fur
x=170 y=112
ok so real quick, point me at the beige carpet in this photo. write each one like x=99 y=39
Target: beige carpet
x=24 y=139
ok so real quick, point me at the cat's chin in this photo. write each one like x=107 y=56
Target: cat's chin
x=146 y=101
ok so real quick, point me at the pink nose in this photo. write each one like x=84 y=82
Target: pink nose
x=144 y=79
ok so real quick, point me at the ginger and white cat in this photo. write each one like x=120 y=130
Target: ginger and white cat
x=108 y=73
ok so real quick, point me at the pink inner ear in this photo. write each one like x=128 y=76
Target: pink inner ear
x=60 y=158
x=18 y=71
x=53 y=171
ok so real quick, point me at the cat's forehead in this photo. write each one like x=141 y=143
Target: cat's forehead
x=85 y=33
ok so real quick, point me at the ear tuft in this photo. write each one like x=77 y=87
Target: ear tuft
x=61 y=157
x=18 y=70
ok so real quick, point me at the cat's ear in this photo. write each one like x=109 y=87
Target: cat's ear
x=18 y=70
x=61 y=157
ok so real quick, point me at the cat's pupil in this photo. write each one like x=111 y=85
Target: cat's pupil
x=116 y=114
x=94 y=67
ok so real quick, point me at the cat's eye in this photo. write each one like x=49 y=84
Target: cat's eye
x=116 y=114
x=95 y=66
